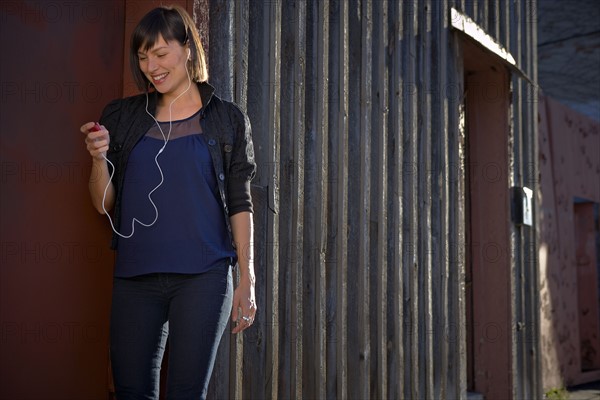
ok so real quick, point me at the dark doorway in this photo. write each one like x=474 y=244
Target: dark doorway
x=488 y=269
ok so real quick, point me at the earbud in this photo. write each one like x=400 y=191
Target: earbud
x=189 y=54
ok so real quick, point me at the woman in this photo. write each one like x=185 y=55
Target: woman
x=174 y=165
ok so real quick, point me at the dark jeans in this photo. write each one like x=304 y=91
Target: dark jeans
x=192 y=310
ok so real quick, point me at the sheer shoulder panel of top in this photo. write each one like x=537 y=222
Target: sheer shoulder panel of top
x=180 y=128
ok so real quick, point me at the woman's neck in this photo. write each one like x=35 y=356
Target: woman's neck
x=184 y=106
x=184 y=98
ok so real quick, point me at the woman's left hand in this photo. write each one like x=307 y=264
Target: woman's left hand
x=244 y=300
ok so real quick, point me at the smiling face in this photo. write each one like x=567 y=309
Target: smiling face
x=160 y=45
x=164 y=65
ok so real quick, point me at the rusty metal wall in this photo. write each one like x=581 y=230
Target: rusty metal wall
x=55 y=261
x=360 y=194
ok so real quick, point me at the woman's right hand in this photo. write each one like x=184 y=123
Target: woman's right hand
x=97 y=141
x=101 y=188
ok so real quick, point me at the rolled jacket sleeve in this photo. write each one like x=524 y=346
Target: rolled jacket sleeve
x=243 y=166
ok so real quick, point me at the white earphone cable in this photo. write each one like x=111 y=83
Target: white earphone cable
x=162 y=178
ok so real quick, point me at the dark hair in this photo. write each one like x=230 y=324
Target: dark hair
x=172 y=23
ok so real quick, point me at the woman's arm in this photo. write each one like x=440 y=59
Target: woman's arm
x=97 y=144
x=244 y=296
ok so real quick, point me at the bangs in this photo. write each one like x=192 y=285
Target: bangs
x=159 y=22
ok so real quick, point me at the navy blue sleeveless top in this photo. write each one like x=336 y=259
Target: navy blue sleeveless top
x=189 y=235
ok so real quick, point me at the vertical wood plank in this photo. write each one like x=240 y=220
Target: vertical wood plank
x=201 y=17
x=327 y=383
x=456 y=332
x=323 y=102
x=320 y=370
x=316 y=191
x=242 y=36
x=287 y=196
x=515 y=178
x=424 y=197
x=364 y=298
x=439 y=191
x=273 y=11
x=494 y=18
x=380 y=126
x=397 y=364
x=414 y=374
x=447 y=90
x=504 y=24
x=219 y=25
x=297 y=99
x=354 y=272
x=261 y=346
x=341 y=347
x=534 y=334
x=240 y=85
x=221 y=51
x=482 y=16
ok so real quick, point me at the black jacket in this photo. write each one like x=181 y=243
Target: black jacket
x=228 y=135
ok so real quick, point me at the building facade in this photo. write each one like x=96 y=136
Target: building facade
x=396 y=235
